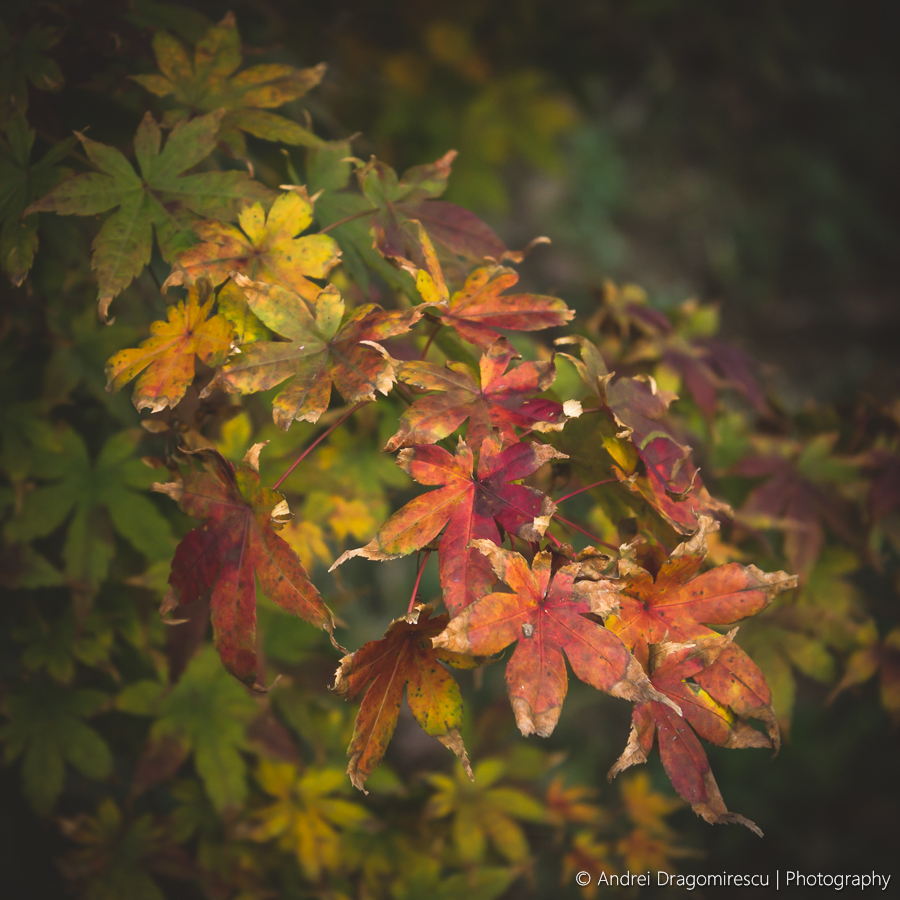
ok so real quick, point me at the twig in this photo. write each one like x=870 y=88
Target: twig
x=415 y=590
x=316 y=443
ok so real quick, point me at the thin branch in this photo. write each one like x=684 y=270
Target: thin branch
x=587 y=534
x=431 y=337
x=415 y=590
x=318 y=441
x=346 y=219
x=582 y=490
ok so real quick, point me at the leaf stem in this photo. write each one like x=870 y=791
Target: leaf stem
x=587 y=534
x=583 y=489
x=431 y=337
x=316 y=443
x=415 y=590
x=346 y=219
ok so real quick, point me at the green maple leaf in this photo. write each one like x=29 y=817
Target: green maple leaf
x=22 y=60
x=347 y=215
x=22 y=182
x=93 y=493
x=45 y=727
x=207 y=82
x=206 y=714
x=161 y=198
x=113 y=853
x=57 y=645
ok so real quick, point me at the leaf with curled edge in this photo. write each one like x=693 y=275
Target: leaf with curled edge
x=403 y=658
x=679 y=603
x=471 y=505
x=165 y=361
x=237 y=545
x=547 y=616
x=480 y=306
x=683 y=757
x=669 y=480
x=323 y=348
x=266 y=250
x=494 y=398
x=208 y=82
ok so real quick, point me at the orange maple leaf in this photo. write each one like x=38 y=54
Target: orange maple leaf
x=404 y=657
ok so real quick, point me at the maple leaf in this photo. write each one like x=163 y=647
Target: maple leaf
x=46 y=728
x=57 y=645
x=801 y=495
x=546 y=617
x=306 y=819
x=22 y=182
x=116 y=856
x=678 y=603
x=205 y=714
x=493 y=399
x=267 y=249
x=161 y=199
x=208 y=82
x=403 y=658
x=232 y=305
x=706 y=365
x=480 y=306
x=683 y=757
x=470 y=505
x=805 y=632
x=880 y=655
x=412 y=197
x=320 y=351
x=168 y=356
x=483 y=810
x=572 y=805
x=22 y=61
x=670 y=482
x=236 y=546
x=92 y=493
x=346 y=214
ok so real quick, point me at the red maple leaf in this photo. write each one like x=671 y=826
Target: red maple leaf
x=480 y=306
x=682 y=754
x=470 y=505
x=494 y=398
x=678 y=603
x=545 y=615
x=235 y=546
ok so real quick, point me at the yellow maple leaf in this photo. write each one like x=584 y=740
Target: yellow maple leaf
x=266 y=249
x=306 y=819
x=168 y=356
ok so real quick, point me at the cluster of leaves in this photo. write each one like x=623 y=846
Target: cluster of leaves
x=356 y=279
